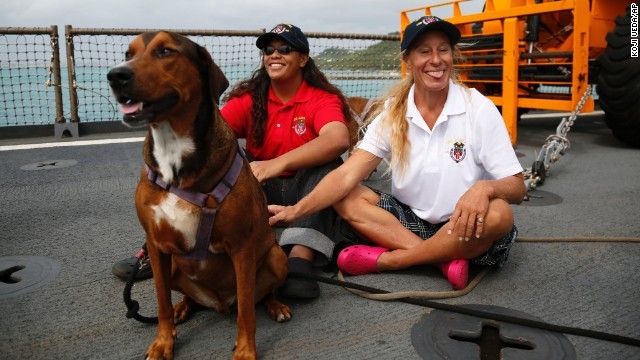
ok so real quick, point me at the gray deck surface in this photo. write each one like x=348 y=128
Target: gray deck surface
x=83 y=217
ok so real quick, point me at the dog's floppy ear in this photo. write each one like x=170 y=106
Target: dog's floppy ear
x=218 y=83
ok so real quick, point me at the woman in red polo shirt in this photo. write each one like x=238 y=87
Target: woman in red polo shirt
x=294 y=123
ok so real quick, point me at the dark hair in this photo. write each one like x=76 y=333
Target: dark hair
x=258 y=86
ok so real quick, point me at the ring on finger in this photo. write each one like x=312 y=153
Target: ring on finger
x=480 y=220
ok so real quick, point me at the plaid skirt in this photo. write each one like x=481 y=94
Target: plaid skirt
x=496 y=255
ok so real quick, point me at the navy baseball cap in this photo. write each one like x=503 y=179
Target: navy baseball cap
x=287 y=32
x=425 y=23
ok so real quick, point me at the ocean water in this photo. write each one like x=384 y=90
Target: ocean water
x=27 y=99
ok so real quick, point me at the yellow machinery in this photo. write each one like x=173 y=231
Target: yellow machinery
x=543 y=54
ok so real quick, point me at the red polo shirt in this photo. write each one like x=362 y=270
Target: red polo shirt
x=289 y=125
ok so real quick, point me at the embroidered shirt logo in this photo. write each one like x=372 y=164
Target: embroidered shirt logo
x=299 y=125
x=458 y=152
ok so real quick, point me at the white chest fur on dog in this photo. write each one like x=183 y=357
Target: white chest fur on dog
x=180 y=216
x=169 y=149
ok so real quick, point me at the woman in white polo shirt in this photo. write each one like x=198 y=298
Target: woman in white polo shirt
x=454 y=172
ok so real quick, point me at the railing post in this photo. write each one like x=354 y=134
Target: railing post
x=55 y=68
x=60 y=125
x=71 y=68
x=72 y=127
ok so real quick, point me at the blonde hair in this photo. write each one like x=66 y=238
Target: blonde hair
x=394 y=112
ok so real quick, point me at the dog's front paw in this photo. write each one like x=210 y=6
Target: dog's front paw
x=162 y=348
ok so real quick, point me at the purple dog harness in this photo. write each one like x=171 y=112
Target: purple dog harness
x=205 y=226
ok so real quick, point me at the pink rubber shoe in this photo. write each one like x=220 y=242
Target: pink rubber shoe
x=360 y=259
x=457 y=272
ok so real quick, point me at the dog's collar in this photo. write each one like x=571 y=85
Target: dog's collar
x=207 y=219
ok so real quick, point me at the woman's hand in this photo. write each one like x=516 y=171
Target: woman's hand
x=471 y=210
x=268 y=169
x=469 y=213
x=281 y=215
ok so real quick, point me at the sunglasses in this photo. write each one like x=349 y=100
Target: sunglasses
x=282 y=50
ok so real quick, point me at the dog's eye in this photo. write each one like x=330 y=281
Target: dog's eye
x=165 y=52
x=127 y=55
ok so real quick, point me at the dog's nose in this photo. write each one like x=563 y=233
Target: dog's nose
x=119 y=77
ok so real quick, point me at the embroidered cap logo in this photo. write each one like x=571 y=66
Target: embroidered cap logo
x=280 y=29
x=426 y=20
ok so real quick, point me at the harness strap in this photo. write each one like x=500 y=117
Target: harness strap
x=360 y=117
x=226 y=184
x=208 y=215
x=203 y=235
x=196 y=198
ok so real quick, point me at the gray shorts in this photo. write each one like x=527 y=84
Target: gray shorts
x=496 y=255
x=315 y=231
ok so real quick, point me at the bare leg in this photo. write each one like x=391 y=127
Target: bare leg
x=301 y=251
x=375 y=224
x=379 y=226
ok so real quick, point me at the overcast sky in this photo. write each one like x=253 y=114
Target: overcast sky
x=344 y=16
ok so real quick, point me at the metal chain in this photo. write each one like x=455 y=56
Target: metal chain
x=555 y=144
x=567 y=126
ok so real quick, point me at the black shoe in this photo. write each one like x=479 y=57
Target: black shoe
x=123 y=268
x=296 y=287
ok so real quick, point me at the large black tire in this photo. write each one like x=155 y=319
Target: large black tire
x=618 y=83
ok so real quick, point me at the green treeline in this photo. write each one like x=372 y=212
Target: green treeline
x=383 y=55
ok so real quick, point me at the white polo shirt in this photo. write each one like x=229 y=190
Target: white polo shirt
x=469 y=142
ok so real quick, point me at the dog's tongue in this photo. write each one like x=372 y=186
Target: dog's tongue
x=131 y=108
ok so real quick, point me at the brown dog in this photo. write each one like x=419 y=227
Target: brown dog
x=360 y=109
x=204 y=213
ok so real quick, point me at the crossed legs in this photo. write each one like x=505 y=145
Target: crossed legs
x=377 y=225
